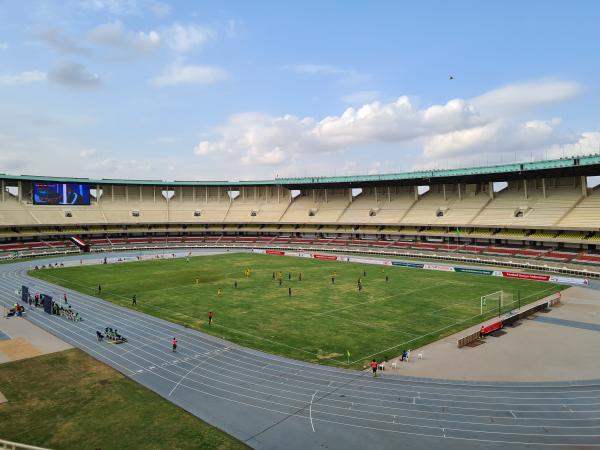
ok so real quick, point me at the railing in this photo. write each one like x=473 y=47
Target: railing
x=480 y=259
x=513 y=317
x=8 y=445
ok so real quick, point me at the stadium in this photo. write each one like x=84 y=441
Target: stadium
x=319 y=276
x=299 y=225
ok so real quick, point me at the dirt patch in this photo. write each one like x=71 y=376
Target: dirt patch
x=2 y=398
x=327 y=355
x=19 y=348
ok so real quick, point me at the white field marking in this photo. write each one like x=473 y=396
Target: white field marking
x=370 y=325
x=486 y=313
x=327 y=312
x=111 y=308
x=133 y=317
x=340 y=423
x=129 y=343
x=432 y=332
x=228 y=328
x=265 y=339
x=435 y=315
x=476 y=423
x=513 y=414
x=310 y=410
x=447 y=394
x=377 y=299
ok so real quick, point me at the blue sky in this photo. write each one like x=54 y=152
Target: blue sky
x=247 y=90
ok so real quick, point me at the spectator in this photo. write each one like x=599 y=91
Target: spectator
x=374 y=367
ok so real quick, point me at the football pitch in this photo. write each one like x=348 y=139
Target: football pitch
x=324 y=321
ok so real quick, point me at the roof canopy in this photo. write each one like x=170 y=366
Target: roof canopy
x=578 y=166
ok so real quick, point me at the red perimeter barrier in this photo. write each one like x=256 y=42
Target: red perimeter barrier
x=491 y=328
x=327 y=257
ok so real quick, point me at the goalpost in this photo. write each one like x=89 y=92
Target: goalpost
x=498 y=298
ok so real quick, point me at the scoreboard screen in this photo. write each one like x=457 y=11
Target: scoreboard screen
x=61 y=194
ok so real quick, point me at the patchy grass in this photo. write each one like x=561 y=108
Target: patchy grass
x=68 y=400
x=321 y=321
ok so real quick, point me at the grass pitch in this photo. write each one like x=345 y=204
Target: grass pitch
x=68 y=400
x=322 y=321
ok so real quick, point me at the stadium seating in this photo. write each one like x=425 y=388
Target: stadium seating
x=555 y=218
x=585 y=213
x=379 y=205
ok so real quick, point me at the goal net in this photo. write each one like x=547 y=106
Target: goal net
x=495 y=301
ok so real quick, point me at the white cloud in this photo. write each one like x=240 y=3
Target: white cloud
x=361 y=97
x=586 y=144
x=185 y=37
x=73 y=75
x=525 y=95
x=180 y=74
x=499 y=136
x=116 y=36
x=29 y=76
x=458 y=127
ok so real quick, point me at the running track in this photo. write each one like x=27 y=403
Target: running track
x=270 y=402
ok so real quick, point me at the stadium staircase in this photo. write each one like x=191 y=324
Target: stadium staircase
x=480 y=210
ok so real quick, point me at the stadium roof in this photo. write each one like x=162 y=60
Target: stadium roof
x=578 y=166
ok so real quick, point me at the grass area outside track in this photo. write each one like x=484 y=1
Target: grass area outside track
x=321 y=321
x=68 y=400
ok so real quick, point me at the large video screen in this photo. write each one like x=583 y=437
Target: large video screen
x=61 y=194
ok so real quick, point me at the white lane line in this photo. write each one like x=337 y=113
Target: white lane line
x=310 y=410
x=317 y=419
x=513 y=414
x=184 y=377
x=242 y=355
x=571 y=411
x=194 y=368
